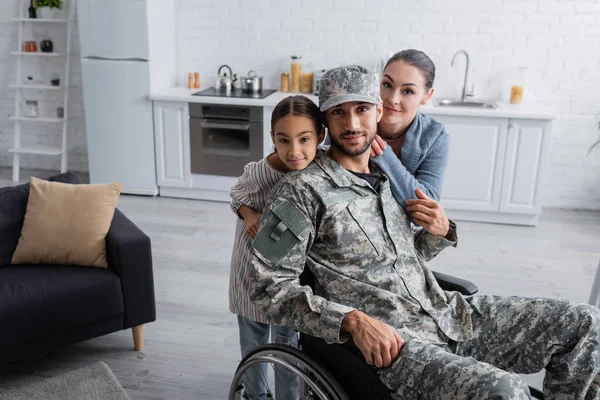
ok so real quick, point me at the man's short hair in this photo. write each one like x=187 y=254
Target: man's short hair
x=346 y=84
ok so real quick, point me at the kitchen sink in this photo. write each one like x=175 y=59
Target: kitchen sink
x=473 y=104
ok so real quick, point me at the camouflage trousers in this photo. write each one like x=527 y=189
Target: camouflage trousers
x=511 y=335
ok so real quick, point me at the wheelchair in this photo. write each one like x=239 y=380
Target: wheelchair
x=317 y=364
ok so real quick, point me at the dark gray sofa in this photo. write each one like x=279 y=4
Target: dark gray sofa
x=44 y=307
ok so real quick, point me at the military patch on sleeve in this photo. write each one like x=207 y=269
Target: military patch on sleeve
x=283 y=230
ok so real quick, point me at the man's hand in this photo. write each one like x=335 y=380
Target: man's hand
x=429 y=214
x=252 y=220
x=378 y=146
x=378 y=342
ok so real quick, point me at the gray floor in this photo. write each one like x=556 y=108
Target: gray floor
x=191 y=351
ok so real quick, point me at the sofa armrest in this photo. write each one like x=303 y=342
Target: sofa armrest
x=452 y=283
x=129 y=254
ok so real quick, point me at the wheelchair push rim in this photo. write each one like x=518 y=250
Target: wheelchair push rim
x=311 y=376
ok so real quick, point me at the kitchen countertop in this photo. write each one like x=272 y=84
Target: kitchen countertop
x=504 y=110
x=532 y=111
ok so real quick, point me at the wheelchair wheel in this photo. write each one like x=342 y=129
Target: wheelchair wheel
x=314 y=381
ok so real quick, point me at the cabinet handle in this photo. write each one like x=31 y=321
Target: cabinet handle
x=514 y=125
x=215 y=125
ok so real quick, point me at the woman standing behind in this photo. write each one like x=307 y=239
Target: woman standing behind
x=416 y=153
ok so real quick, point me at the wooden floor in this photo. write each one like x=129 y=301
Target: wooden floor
x=191 y=351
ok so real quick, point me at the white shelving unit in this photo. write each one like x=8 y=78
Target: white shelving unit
x=19 y=86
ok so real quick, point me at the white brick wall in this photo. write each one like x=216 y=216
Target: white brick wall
x=557 y=40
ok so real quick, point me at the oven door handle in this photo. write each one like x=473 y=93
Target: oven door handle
x=216 y=125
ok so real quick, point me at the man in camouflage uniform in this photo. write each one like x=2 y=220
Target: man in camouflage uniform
x=338 y=218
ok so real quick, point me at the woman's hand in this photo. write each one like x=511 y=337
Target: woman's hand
x=377 y=341
x=378 y=146
x=429 y=214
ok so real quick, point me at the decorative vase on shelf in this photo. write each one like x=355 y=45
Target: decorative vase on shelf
x=55 y=80
x=48 y=9
x=47 y=13
x=46 y=45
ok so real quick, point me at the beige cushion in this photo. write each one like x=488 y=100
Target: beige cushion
x=66 y=223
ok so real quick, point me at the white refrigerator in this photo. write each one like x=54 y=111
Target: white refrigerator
x=116 y=69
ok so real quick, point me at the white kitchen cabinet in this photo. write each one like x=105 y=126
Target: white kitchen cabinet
x=172 y=144
x=473 y=176
x=526 y=148
x=495 y=168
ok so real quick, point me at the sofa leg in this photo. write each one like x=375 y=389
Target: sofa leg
x=138 y=337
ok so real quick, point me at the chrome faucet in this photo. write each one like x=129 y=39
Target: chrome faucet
x=465 y=93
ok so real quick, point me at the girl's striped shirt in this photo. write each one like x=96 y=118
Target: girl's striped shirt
x=251 y=190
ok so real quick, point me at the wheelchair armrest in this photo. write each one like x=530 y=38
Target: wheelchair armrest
x=451 y=283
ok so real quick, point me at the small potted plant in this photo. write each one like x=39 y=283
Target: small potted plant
x=48 y=9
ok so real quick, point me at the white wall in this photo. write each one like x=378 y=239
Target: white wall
x=557 y=41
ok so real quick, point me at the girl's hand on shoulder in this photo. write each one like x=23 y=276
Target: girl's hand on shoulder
x=378 y=146
x=252 y=220
x=429 y=214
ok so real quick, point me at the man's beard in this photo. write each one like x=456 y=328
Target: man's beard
x=351 y=152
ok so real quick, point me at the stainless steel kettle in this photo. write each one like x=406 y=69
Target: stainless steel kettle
x=225 y=82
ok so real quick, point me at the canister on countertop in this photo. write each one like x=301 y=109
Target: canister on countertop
x=306 y=82
x=296 y=68
x=516 y=94
x=518 y=81
x=306 y=78
x=285 y=82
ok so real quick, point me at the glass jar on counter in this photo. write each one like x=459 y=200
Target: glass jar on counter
x=306 y=78
x=518 y=82
x=296 y=69
x=285 y=82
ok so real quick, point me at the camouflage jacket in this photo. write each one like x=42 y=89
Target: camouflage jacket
x=362 y=252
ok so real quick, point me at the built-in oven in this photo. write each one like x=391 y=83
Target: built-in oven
x=224 y=138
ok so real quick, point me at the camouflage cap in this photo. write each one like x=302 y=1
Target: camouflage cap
x=348 y=83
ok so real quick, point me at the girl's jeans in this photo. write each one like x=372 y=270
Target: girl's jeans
x=254 y=334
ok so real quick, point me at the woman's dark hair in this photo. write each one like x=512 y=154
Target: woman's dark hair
x=297 y=105
x=418 y=59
